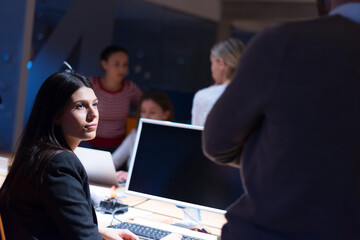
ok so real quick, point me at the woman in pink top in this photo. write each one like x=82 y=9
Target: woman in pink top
x=115 y=97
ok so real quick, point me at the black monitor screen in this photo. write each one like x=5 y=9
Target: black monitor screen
x=168 y=164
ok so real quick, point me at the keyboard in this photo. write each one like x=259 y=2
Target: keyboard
x=145 y=232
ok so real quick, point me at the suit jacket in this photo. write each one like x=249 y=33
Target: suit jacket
x=291 y=118
x=60 y=208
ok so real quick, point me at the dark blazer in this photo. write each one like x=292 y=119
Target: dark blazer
x=291 y=117
x=59 y=209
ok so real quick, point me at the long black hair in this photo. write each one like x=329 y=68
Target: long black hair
x=41 y=138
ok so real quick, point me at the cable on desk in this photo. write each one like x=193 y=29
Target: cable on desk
x=202 y=229
x=115 y=211
x=114 y=217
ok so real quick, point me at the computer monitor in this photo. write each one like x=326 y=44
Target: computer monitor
x=168 y=164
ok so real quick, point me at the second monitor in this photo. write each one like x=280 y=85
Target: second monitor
x=168 y=164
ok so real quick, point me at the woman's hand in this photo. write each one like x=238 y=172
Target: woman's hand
x=121 y=176
x=118 y=234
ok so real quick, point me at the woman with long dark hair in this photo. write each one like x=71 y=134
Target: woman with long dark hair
x=46 y=193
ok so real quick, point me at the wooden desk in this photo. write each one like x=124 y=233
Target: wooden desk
x=170 y=214
x=155 y=211
x=163 y=213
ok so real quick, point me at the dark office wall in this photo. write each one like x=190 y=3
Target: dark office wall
x=168 y=49
x=15 y=30
x=80 y=26
x=172 y=48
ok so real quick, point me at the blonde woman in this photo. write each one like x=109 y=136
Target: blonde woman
x=224 y=58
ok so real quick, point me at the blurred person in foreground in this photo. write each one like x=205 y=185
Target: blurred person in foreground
x=290 y=121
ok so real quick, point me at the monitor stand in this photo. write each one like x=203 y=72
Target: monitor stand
x=192 y=218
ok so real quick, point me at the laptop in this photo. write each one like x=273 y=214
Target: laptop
x=99 y=166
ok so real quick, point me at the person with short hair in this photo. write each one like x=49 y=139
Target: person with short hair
x=290 y=121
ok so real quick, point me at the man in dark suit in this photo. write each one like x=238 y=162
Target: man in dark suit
x=290 y=120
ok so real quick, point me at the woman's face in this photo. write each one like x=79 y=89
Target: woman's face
x=117 y=66
x=152 y=110
x=80 y=117
x=217 y=70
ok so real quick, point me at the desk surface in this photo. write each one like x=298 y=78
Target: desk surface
x=156 y=211
x=163 y=213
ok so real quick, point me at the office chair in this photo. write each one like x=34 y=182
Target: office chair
x=2 y=232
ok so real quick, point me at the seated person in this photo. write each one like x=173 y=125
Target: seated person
x=154 y=104
x=46 y=192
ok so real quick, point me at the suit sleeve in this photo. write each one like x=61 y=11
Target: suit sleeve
x=241 y=108
x=66 y=200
